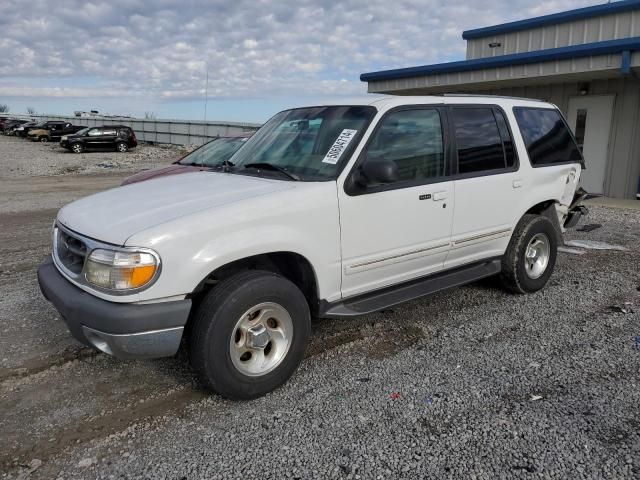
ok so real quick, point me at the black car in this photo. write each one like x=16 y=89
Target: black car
x=23 y=129
x=9 y=125
x=54 y=131
x=27 y=127
x=112 y=137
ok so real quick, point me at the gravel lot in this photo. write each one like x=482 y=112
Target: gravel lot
x=469 y=383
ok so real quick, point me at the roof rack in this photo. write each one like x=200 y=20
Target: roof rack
x=477 y=95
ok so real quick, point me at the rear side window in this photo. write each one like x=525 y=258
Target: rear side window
x=482 y=144
x=547 y=137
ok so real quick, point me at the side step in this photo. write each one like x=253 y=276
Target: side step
x=394 y=295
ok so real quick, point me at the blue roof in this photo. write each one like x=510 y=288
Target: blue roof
x=580 y=13
x=561 y=53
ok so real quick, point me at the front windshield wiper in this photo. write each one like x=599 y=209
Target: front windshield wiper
x=275 y=168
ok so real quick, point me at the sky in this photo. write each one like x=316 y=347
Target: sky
x=128 y=57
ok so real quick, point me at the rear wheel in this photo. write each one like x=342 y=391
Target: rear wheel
x=77 y=148
x=249 y=334
x=122 y=147
x=531 y=255
x=44 y=139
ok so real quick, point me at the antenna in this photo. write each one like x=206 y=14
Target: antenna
x=206 y=93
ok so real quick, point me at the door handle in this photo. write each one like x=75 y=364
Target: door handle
x=439 y=196
x=518 y=183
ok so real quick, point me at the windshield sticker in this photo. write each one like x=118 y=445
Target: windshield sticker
x=339 y=146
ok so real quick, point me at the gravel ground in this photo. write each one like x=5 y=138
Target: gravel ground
x=22 y=157
x=469 y=383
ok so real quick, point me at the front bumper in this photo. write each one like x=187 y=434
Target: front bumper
x=119 y=329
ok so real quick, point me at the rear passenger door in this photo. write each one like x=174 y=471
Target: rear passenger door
x=487 y=184
x=108 y=138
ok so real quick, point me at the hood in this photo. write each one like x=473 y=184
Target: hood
x=173 y=169
x=114 y=215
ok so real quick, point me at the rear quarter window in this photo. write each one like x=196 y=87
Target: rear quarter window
x=547 y=137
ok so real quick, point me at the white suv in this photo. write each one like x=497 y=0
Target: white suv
x=327 y=211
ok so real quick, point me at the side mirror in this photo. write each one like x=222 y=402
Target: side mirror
x=378 y=171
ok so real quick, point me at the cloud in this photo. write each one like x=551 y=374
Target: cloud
x=161 y=49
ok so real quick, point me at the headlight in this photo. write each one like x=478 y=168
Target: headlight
x=121 y=270
x=63 y=138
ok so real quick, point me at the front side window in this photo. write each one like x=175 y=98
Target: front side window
x=94 y=132
x=412 y=139
x=480 y=146
x=310 y=143
x=547 y=137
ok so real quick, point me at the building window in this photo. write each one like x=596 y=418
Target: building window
x=480 y=146
x=413 y=140
x=581 y=125
x=546 y=136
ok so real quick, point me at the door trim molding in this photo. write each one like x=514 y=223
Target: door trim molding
x=482 y=237
x=392 y=259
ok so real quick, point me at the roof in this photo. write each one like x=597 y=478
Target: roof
x=561 y=53
x=386 y=102
x=578 y=14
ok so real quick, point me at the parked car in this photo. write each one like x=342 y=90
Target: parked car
x=21 y=130
x=10 y=125
x=209 y=156
x=28 y=127
x=329 y=211
x=54 y=131
x=112 y=137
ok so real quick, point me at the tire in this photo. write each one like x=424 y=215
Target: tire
x=216 y=341
x=44 y=139
x=77 y=148
x=533 y=233
x=122 y=147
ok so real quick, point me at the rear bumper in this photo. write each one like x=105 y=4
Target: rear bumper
x=575 y=214
x=122 y=330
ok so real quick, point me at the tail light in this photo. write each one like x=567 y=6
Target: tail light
x=133 y=135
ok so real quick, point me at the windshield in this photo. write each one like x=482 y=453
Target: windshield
x=310 y=143
x=214 y=153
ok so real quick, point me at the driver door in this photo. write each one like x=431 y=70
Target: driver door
x=400 y=230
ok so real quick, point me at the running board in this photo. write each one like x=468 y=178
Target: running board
x=390 y=296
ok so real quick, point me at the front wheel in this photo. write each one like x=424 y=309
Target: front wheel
x=77 y=148
x=44 y=139
x=122 y=147
x=531 y=255
x=249 y=334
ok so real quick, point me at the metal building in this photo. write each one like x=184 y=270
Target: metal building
x=586 y=61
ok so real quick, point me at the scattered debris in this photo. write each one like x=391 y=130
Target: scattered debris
x=428 y=401
x=535 y=398
x=573 y=251
x=107 y=165
x=589 y=227
x=87 y=462
x=363 y=380
x=395 y=395
x=626 y=308
x=527 y=468
x=32 y=467
x=594 y=245
x=638 y=342
x=534 y=365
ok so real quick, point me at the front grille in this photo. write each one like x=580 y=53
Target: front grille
x=70 y=252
